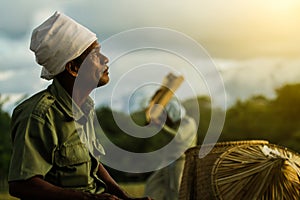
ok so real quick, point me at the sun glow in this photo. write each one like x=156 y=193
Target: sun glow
x=283 y=5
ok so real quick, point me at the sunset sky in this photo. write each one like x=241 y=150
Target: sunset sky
x=254 y=44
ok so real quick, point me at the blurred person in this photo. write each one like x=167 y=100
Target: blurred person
x=55 y=152
x=164 y=184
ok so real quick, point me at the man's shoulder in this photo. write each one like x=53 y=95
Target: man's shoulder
x=43 y=104
x=38 y=104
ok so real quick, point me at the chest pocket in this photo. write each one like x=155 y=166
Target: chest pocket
x=73 y=165
x=72 y=154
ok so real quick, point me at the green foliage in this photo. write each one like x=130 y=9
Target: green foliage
x=276 y=120
x=121 y=138
x=202 y=106
x=5 y=143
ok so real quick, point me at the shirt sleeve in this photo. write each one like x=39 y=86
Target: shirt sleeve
x=34 y=142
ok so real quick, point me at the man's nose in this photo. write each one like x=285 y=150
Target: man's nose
x=103 y=59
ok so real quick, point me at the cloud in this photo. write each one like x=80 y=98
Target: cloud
x=262 y=76
x=242 y=78
x=240 y=28
x=227 y=29
x=235 y=33
x=16 y=16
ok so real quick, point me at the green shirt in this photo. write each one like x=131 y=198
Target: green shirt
x=54 y=138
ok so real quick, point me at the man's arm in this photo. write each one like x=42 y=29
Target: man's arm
x=37 y=188
x=112 y=186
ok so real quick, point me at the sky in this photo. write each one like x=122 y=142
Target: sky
x=254 y=45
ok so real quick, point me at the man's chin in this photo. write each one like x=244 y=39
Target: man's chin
x=102 y=82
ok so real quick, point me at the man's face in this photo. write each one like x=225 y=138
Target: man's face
x=94 y=70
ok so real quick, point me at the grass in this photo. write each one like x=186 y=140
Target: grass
x=134 y=189
x=6 y=196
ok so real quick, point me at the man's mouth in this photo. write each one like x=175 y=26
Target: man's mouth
x=103 y=72
x=106 y=70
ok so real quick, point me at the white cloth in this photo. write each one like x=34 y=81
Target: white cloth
x=175 y=110
x=164 y=184
x=57 y=41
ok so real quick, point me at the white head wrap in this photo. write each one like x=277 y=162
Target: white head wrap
x=57 y=41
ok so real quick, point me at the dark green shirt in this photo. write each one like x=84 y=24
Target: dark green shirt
x=54 y=138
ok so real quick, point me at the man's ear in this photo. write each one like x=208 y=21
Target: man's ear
x=72 y=69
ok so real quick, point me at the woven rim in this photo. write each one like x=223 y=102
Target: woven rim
x=226 y=143
x=247 y=171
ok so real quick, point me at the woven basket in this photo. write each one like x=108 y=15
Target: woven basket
x=251 y=169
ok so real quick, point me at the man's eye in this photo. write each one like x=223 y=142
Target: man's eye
x=95 y=54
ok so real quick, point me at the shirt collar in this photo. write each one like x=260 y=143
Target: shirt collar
x=68 y=105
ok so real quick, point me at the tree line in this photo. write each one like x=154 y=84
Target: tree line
x=276 y=120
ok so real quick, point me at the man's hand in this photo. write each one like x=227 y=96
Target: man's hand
x=113 y=188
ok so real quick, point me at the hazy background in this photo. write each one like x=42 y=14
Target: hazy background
x=255 y=44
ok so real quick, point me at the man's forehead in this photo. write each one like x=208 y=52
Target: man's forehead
x=97 y=45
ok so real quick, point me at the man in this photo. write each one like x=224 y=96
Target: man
x=54 y=144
